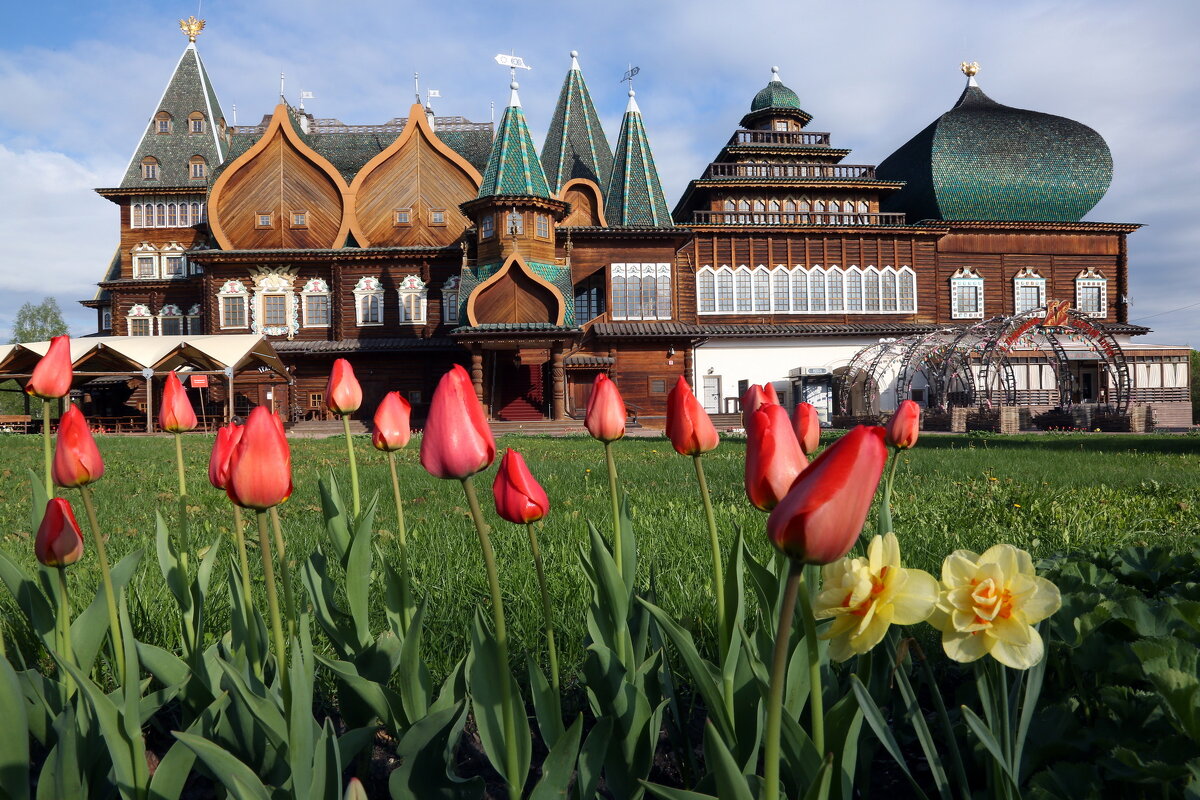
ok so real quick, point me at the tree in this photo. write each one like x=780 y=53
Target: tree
x=38 y=323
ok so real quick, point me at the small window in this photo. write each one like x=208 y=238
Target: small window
x=274 y=310
x=299 y=219
x=139 y=326
x=233 y=312
x=144 y=267
x=371 y=310
x=316 y=399
x=542 y=226
x=516 y=223
x=106 y=319
x=487 y=226
x=402 y=217
x=196 y=122
x=437 y=216
x=173 y=266
x=135 y=215
x=658 y=386
x=198 y=168
x=162 y=122
x=262 y=220
x=170 y=326
x=149 y=168
x=316 y=310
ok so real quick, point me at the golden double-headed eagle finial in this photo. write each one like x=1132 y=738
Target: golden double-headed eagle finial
x=969 y=68
x=191 y=27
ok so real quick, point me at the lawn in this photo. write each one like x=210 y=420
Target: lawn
x=1043 y=493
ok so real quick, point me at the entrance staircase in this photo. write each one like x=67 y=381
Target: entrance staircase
x=523 y=398
x=321 y=429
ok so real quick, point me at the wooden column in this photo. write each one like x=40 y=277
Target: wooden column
x=477 y=370
x=688 y=366
x=148 y=376
x=557 y=381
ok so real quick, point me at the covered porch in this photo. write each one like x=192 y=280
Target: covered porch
x=519 y=369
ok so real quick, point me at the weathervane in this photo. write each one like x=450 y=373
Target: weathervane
x=629 y=73
x=191 y=27
x=513 y=63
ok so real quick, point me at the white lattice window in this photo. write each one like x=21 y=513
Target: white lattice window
x=275 y=308
x=106 y=318
x=315 y=299
x=232 y=302
x=706 y=291
x=854 y=290
x=641 y=291
x=194 y=323
x=1029 y=291
x=781 y=290
x=835 y=290
x=145 y=261
x=1091 y=293
x=413 y=300
x=742 y=298
x=762 y=290
x=170 y=320
x=174 y=265
x=966 y=294
x=450 y=301
x=368 y=301
x=816 y=290
x=140 y=321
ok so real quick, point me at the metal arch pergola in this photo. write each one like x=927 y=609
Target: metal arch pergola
x=970 y=365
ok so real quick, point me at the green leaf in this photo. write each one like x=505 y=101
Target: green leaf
x=413 y=675
x=547 y=704
x=113 y=729
x=37 y=607
x=426 y=753
x=883 y=731
x=172 y=772
x=484 y=674
x=239 y=779
x=38 y=499
x=337 y=517
x=14 y=734
x=731 y=783
x=988 y=740
x=265 y=712
x=559 y=765
x=89 y=629
x=358 y=574
x=610 y=596
x=819 y=789
x=591 y=758
x=924 y=735
x=171 y=567
x=667 y=793
x=338 y=625
x=62 y=773
x=1034 y=677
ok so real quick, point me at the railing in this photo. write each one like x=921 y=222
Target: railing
x=785 y=171
x=745 y=136
x=803 y=218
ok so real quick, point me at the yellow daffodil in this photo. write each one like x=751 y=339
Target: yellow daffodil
x=989 y=605
x=866 y=595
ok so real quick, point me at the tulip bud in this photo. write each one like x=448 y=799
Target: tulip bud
x=605 y=418
x=807 y=425
x=355 y=790
x=175 y=414
x=773 y=457
x=222 y=454
x=519 y=497
x=59 y=542
x=343 y=395
x=755 y=397
x=689 y=427
x=52 y=376
x=392 y=423
x=905 y=424
x=260 y=471
x=458 y=441
x=77 y=460
x=820 y=518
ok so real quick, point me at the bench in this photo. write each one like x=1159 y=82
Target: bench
x=15 y=423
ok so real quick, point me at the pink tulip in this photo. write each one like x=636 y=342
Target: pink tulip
x=458 y=441
x=77 y=460
x=807 y=426
x=689 y=427
x=773 y=457
x=175 y=414
x=260 y=471
x=222 y=454
x=59 y=542
x=520 y=499
x=904 y=426
x=52 y=376
x=754 y=397
x=605 y=418
x=343 y=395
x=392 y=423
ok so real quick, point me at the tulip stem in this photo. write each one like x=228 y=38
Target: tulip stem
x=779 y=660
x=64 y=621
x=184 y=539
x=616 y=508
x=353 y=464
x=546 y=607
x=885 y=525
x=402 y=533
x=264 y=546
x=515 y=784
x=110 y=595
x=247 y=595
x=285 y=573
x=724 y=635
x=47 y=451
x=816 y=697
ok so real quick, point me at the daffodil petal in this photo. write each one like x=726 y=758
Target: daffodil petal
x=1042 y=603
x=1011 y=631
x=1020 y=656
x=918 y=599
x=959 y=568
x=965 y=647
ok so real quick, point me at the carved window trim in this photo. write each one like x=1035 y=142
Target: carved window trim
x=233 y=294
x=966 y=285
x=1026 y=279
x=414 y=300
x=368 y=302
x=1087 y=281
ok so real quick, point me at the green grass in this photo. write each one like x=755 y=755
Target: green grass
x=1042 y=493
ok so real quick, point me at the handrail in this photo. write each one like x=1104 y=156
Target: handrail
x=795 y=218
x=746 y=136
x=810 y=170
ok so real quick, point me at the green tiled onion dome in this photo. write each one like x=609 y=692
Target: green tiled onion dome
x=775 y=95
x=985 y=161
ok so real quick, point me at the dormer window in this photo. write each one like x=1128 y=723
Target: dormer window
x=263 y=221
x=299 y=219
x=162 y=122
x=196 y=122
x=437 y=216
x=542 y=226
x=402 y=217
x=198 y=168
x=149 y=168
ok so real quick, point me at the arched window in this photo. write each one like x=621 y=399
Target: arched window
x=197 y=213
x=160 y=215
x=966 y=294
x=743 y=212
x=368 y=301
x=908 y=290
x=762 y=290
x=888 y=290
x=773 y=206
x=633 y=292
x=663 y=290
x=450 y=300
x=706 y=291
x=315 y=303
x=149 y=168
x=803 y=207
x=816 y=290
x=854 y=291
x=197 y=168
x=741 y=291
x=135 y=215
x=1029 y=291
x=620 y=302
x=781 y=287
x=170 y=320
x=232 y=303
x=196 y=122
x=800 y=290
x=871 y=291
x=184 y=220
x=172 y=215
x=1091 y=293
x=834 y=289
x=725 y=290
x=162 y=122
x=413 y=299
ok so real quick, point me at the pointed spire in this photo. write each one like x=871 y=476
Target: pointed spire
x=513 y=167
x=575 y=145
x=775 y=75
x=635 y=195
x=188 y=91
x=970 y=69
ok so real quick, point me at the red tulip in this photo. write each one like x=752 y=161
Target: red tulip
x=59 y=542
x=343 y=395
x=519 y=498
x=175 y=414
x=605 y=418
x=905 y=424
x=77 y=460
x=392 y=426
x=807 y=426
x=260 y=470
x=823 y=514
x=755 y=397
x=689 y=427
x=52 y=376
x=770 y=394
x=773 y=457
x=457 y=441
x=222 y=454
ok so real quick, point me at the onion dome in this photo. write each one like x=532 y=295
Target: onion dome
x=982 y=160
x=775 y=100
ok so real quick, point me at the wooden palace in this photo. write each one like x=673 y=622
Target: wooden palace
x=430 y=240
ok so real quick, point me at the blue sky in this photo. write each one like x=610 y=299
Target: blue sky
x=80 y=80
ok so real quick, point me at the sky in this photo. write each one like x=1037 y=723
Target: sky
x=79 y=83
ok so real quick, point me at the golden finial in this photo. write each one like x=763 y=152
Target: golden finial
x=191 y=27
x=969 y=68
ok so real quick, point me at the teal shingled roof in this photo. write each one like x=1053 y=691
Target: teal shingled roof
x=635 y=195
x=188 y=90
x=558 y=274
x=775 y=95
x=513 y=167
x=576 y=146
x=985 y=161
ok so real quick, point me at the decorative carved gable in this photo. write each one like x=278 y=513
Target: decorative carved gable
x=515 y=294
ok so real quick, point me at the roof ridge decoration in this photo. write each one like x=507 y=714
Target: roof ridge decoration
x=513 y=167
x=189 y=89
x=575 y=146
x=635 y=196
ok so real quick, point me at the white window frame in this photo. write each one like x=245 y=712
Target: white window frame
x=1028 y=278
x=414 y=300
x=367 y=286
x=275 y=283
x=167 y=252
x=171 y=312
x=139 y=311
x=193 y=321
x=829 y=290
x=781 y=289
x=706 y=284
x=450 y=301
x=1091 y=279
x=655 y=295
x=966 y=277
x=106 y=318
x=145 y=250
x=230 y=290
x=315 y=287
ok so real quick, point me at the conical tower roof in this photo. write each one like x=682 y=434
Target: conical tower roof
x=513 y=167
x=576 y=146
x=188 y=91
x=635 y=195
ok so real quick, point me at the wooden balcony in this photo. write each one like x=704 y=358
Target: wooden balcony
x=793 y=138
x=788 y=218
x=793 y=171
